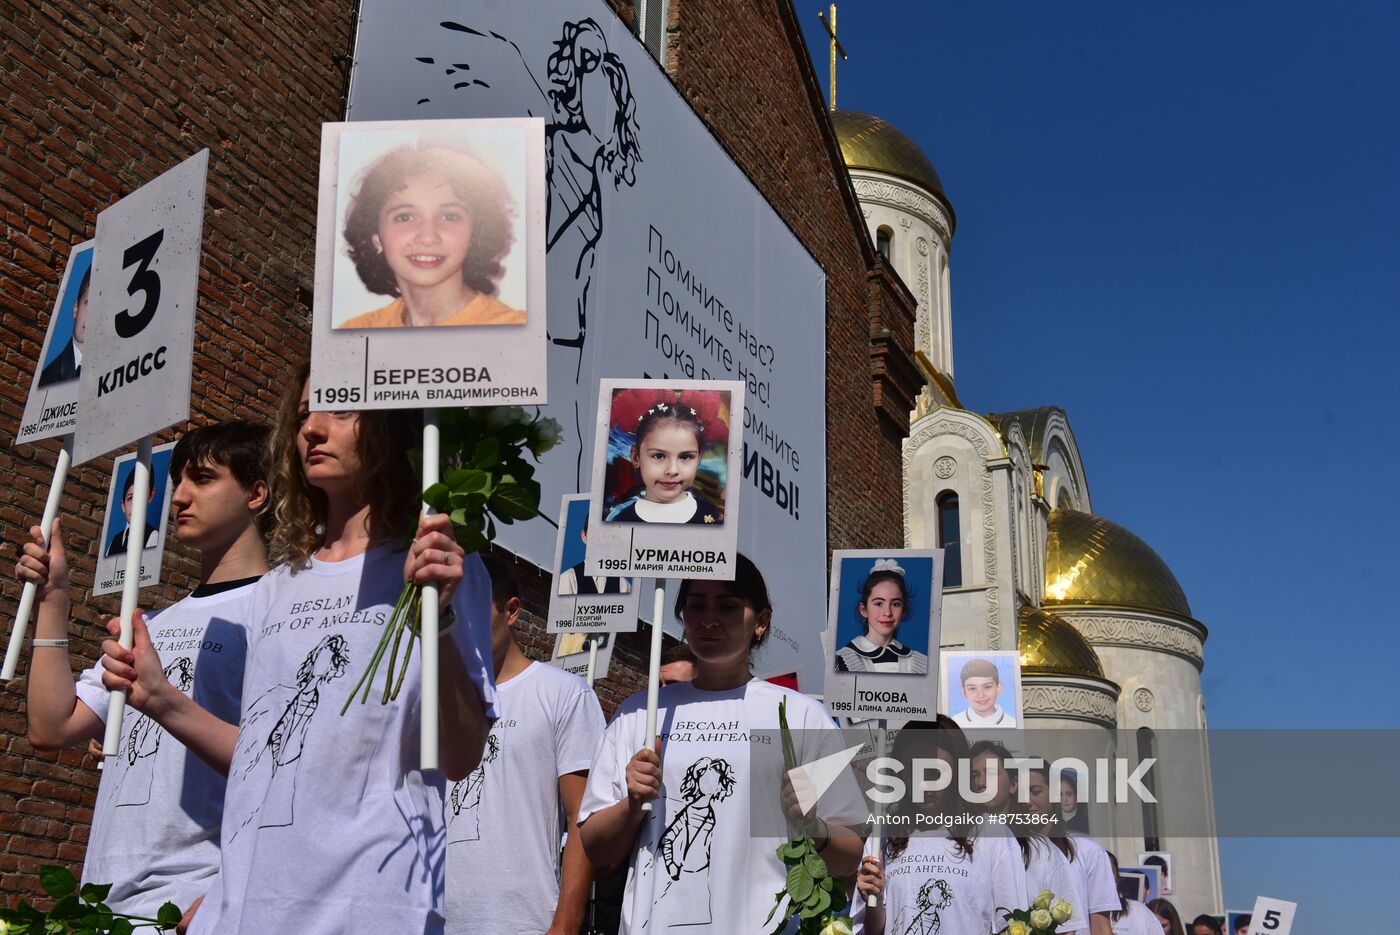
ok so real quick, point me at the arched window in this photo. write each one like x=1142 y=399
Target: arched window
x=883 y=238
x=1146 y=750
x=950 y=539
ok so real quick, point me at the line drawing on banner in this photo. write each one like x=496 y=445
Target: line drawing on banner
x=285 y=740
x=466 y=797
x=143 y=743
x=591 y=135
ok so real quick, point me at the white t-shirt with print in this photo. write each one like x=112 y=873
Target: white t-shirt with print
x=155 y=829
x=1051 y=870
x=1137 y=919
x=933 y=888
x=329 y=824
x=698 y=869
x=503 y=821
x=1095 y=875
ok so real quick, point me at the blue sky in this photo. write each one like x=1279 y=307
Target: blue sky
x=1181 y=224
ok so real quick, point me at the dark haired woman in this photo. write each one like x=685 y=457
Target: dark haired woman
x=430 y=226
x=939 y=874
x=695 y=859
x=884 y=597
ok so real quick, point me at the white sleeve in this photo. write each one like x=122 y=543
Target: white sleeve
x=1064 y=882
x=471 y=633
x=607 y=777
x=1008 y=881
x=843 y=802
x=577 y=730
x=1100 y=888
x=92 y=692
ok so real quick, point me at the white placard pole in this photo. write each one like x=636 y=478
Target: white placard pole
x=877 y=836
x=658 y=615
x=26 y=598
x=1272 y=916
x=428 y=717
x=592 y=658
x=131 y=583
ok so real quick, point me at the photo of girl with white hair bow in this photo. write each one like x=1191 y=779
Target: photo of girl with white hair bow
x=884 y=598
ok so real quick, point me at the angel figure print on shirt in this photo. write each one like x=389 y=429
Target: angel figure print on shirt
x=928 y=905
x=463 y=819
x=275 y=726
x=142 y=743
x=685 y=844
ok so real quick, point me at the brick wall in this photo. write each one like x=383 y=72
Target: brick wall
x=102 y=98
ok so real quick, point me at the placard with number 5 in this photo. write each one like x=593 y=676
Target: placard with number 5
x=145 y=281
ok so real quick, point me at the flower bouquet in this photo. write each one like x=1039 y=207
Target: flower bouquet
x=486 y=480
x=79 y=911
x=1044 y=917
x=810 y=893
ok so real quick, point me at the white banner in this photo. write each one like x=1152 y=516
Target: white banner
x=52 y=407
x=430 y=276
x=664 y=260
x=145 y=281
x=110 y=571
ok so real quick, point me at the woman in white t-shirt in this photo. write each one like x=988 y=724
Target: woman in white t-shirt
x=939 y=869
x=1134 y=918
x=695 y=860
x=330 y=825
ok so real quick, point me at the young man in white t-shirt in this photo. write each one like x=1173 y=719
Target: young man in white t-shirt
x=503 y=867
x=155 y=829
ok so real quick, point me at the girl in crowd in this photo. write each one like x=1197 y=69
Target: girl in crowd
x=1047 y=860
x=1132 y=917
x=1167 y=916
x=329 y=824
x=669 y=441
x=695 y=860
x=1097 y=880
x=884 y=596
x=430 y=226
x=946 y=877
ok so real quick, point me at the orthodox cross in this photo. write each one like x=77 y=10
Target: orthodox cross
x=835 y=49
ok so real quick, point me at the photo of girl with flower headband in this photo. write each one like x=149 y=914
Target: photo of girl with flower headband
x=667 y=458
x=877 y=598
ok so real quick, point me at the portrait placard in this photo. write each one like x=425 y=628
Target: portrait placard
x=1235 y=923
x=883 y=625
x=52 y=406
x=136 y=373
x=981 y=688
x=430 y=276
x=1271 y=916
x=571 y=653
x=114 y=542
x=580 y=602
x=1132 y=885
x=1152 y=880
x=1163 y=862
x=665 y=495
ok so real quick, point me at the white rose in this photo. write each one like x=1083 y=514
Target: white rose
x=841 y=925
x=1061 y=911
x=1044 y=900
x=1017 y=928
x=1040 y=919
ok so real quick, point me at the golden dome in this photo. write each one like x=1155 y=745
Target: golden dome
x=871 y=143
x=1092 y=562
x=1051 y=646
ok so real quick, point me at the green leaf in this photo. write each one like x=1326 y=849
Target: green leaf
x=815 y=865
x=436 y=497
x=92 y=893
x=791 y=851
x=169 y=915
x=57 y=881
x=818 y=905
x=513 y=501
x=470 y=479
x=800 y=883
x=121 y=927
x=66 y=908
x=487 y=453
x=471 y=540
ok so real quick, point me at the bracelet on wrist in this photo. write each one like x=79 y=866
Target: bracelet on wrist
x=38 y=643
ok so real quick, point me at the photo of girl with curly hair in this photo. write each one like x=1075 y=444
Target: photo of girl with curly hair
x=432 y=226
x=667 y=456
